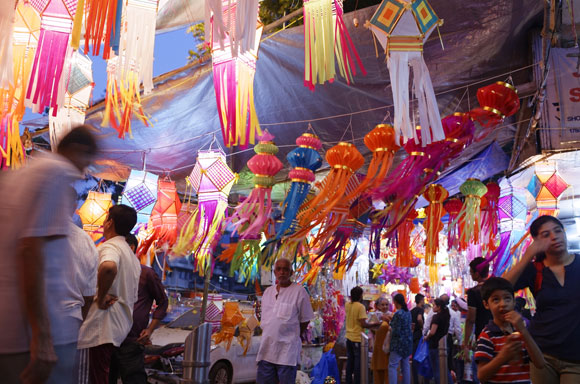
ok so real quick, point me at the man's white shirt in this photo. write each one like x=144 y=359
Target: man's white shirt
x=282 y=313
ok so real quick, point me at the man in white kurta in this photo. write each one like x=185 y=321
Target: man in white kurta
x=111 y=315
x=286 y=312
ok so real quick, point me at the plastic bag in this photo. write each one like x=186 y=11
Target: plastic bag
x=422 y=352
x=327 y=366
x=422 y=357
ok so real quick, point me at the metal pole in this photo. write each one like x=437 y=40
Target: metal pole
x=364 y=359
x=443 y=361
x=205 y=293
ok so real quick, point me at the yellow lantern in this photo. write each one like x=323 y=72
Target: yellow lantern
x=94 y=211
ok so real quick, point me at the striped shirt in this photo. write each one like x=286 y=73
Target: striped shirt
x=491 y=341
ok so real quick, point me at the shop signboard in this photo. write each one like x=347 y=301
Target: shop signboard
x=561 y=117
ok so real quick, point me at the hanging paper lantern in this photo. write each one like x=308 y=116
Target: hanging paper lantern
x=305 y=160
x=381 y=142
x=141 y=193
x=231 y=317
x=344 y=160
x=497 y=101
x=94 y=211
x=326 y=36
x=435 y=195
x=489 y=217
x=404 y=230
x=132 y=67
x=251 y=215
x=414 y=285
x=453 y=207
x=547 y=186
x=52 y=53
x=6 y=27
x=459 y=130
x=212 y=179
x=122 y=100
x=78 y=76
x=512 y=210
x=470 y=216
x=103 y=25
x=402 y=28
x=25 y=38
x=163 y=219
x=234 y=65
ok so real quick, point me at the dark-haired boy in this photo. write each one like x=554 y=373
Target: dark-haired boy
x=505 y=347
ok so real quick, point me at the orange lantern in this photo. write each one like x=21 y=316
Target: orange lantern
x=414 y=285
x=435 y=195
x=93 y=213
x=344 y=160
x=404 y=233
x=382 y=143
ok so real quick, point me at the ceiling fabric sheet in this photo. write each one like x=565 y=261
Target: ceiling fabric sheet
x=481 y=39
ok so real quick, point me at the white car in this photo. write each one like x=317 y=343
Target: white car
x=227 y=367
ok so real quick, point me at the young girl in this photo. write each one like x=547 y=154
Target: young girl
x=401 y=341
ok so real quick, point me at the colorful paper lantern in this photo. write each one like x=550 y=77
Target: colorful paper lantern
x=234 y=55
x=453 y=207
x=163 y=219
x=344 y=160
x=490 y=217
x=512 y=211
x=435 y=195
x=103 y=25
x=141 y=193
x=250 y=216
x=404 y=230
x=326 y=37
x=414 y=286
x=94 y=211
x=122 y=100
x=470 y=215
x=6 y=27
x=381 y=141
x=547 y=186
x=212 y=179
x=132 y=66
x=78 y=76
x=402 y=28
x=53 y=50
x=231 y=317
x=497 y=101
x=25 y=40
x=305 y=160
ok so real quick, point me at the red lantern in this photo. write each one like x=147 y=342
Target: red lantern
x=490 y=216
x=414 y=286
x=453 y=207
x=459 y=130
x=497 y=101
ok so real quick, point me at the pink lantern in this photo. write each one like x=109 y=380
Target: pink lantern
x=234 y=54
x=44 y=89
x=212 y=179
x=251 y=215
